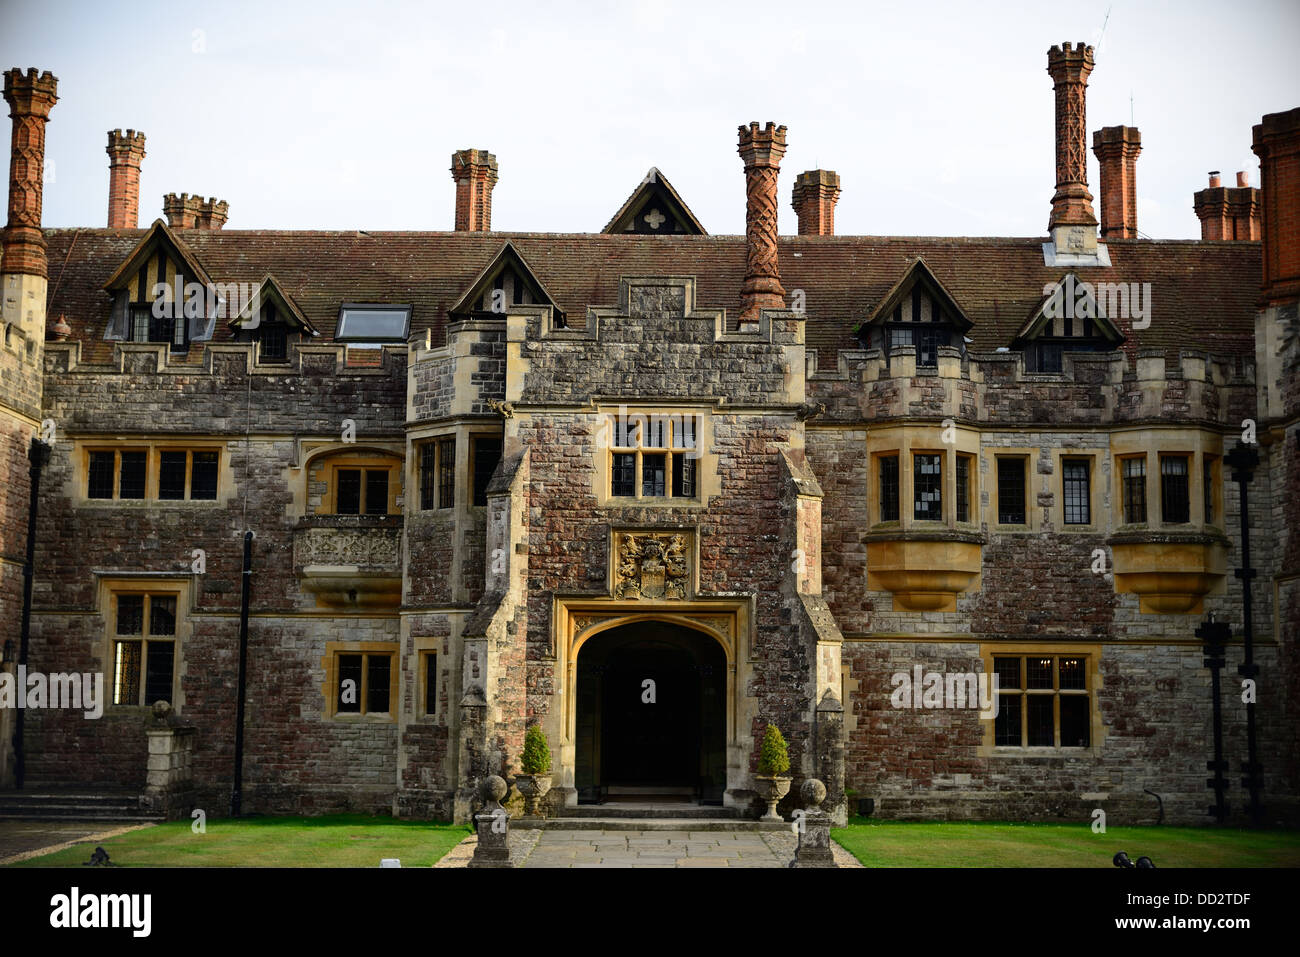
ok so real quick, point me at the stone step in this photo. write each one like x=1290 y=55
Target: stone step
x=73 y=804
x=650 y=809
x=655 y=824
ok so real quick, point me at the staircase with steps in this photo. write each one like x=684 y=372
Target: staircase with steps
x=39 y=803
x=659 y=810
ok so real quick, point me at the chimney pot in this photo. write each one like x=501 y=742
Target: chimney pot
x=761 y=150
x=815 y=194
x=1276 y=142
x=1243 y=179
x=30 y=98
x=476 y=174
x=1073 y=222
x=1214 y=177
x=124 y=156
x=1117 y=149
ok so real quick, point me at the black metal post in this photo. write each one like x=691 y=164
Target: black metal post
x=38 y=455
x=1216 y=636
x=1243 y=459
x=237 y=795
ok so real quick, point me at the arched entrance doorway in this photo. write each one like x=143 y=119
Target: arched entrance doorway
x=651 y=714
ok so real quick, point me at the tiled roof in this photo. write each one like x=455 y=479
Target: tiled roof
x=1203 y=293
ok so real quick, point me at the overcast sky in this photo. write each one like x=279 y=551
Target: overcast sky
x=937 y=116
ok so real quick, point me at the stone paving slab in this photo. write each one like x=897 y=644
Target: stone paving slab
x=643 y=849
x=20 y=839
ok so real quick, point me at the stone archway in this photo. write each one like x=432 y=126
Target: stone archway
x=650 y=703
x=721 y=624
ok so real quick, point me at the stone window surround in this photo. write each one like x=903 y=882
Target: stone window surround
x=329 y=690
x=110 y=586
x=465 y=434
x=152 y=447
x=325 y=467
x=1197 y=445
x=1091 y=653
x=1096 y=489
x=1033 y=511
x=707 y=480
x=909 y=440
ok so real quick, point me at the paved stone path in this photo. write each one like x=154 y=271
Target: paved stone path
x=20 y=839
x=646 y=849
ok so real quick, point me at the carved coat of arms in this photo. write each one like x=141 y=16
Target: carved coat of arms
x=651 y=565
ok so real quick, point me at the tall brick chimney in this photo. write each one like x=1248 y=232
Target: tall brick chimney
x=1226 y=212
x=1277 y=144
x=816 y=192
x=195 y=212
x=761 y=150
x=475 y=173
x=30 y=98
x=1072 y=223
x=1117 y=149
x=125 y=151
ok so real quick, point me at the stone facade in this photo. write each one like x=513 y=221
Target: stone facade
x=450 y=527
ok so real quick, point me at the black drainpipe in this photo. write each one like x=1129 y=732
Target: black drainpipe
x=236 y=795
x=38 y=456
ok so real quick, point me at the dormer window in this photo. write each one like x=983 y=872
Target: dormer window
x=1069 y=318
x=270 y=318
x=918 y=312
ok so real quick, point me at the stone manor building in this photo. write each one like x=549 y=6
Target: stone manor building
x=653 y=489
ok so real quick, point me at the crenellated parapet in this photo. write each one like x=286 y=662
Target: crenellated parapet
x=995 y=389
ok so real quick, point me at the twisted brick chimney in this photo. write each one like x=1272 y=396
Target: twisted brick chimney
x=815 y=194
x=761 y=150
x=1072 y=223
x=195 y=212
x=30 y=98
x=125 y=151
x=1117 y=149
x=1225 y=212
x=475 y=173
x=1277 y=144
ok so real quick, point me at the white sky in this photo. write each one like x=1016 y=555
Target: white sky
x=937 y=116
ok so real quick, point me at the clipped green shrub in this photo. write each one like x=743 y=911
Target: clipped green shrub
x=537 y=753
x=773 y=756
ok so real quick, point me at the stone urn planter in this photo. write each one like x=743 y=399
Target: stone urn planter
x=773 y=763
x=771 y=789
x=534 y=779
x=532 y=787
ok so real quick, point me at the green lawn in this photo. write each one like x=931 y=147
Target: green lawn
x=921 y=844
x=345 y=840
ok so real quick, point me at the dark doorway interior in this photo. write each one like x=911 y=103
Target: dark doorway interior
x=661 y=739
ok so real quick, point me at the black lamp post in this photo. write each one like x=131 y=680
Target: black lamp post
x=1216 y=634
x=38 y=456
x=1243 y=460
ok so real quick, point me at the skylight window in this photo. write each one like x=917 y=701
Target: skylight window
x=359 y=323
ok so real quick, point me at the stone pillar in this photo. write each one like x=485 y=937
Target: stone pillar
x=476 y=173
x=124 y=155
x=814 y=848
x=1117 y=149
x=493 y=826
x=1073 y=224
x=169 y=781
x=815 y=194
x=830 y=753
x=761 y=150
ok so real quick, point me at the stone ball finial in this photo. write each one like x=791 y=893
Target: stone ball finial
x=161 y=709
x=813 y=793
x=494 y=788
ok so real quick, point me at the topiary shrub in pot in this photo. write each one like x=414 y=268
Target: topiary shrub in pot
x=534 y=779
x=773 y=763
